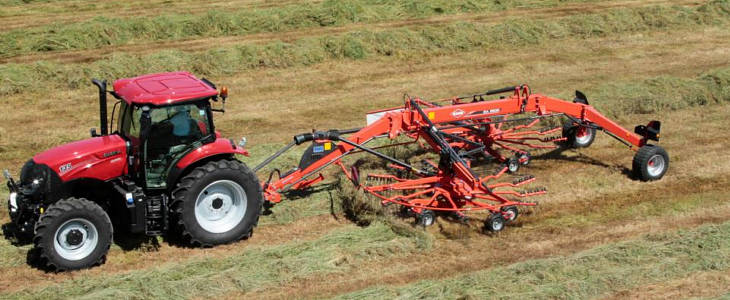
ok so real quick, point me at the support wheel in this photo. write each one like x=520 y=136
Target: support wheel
x=426 y=218
x=510 y=213
x=578 y=136
x=524 y=158
x=494 y=223
x=73 y=234
x=650 y=163
x=217 y=203
x=513 y=165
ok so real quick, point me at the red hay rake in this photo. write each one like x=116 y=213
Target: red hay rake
x=459 y=130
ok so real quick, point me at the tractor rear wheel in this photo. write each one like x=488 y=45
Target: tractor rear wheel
x=578 y=136
x=72 y=234
x=650 y=163
x=217 y=203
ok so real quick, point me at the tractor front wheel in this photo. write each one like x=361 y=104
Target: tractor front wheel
x=650 y=163
x=217 y=203
x=72 y=234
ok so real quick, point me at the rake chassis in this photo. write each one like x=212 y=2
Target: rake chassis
x=457 y=131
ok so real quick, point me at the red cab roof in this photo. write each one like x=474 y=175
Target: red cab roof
x=162 y=88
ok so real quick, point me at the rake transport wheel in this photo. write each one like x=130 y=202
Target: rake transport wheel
x=651 y=162
x=73 y=234
x=217 y=203
x=494 y=223
x=578 y=136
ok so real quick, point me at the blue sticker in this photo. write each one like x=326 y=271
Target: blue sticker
x=318 y=149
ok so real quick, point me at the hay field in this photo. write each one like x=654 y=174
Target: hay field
x=296 y=65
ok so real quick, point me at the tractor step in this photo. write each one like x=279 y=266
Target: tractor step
x=156 y=215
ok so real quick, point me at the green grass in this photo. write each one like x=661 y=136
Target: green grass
x=402 y=43
x=592 y=273
x=104 y=31
x=257 y=268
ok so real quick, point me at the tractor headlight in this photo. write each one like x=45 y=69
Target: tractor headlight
x=13 y=202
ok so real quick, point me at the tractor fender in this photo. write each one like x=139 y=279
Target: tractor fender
x=221 y=148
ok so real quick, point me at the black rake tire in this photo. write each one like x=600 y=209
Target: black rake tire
x=651 y=162
x=570 y=131
x=494 y=223
x=72 y=216
x=214 y=179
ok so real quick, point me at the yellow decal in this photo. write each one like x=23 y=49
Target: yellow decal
x=431 y=115
x=327 y=146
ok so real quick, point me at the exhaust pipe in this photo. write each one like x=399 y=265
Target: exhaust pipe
x=102 y=105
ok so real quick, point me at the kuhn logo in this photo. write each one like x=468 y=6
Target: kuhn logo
x=457 y=113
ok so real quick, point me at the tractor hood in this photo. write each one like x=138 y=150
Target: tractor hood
x=101 y=158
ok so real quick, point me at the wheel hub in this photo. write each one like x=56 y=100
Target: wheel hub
x=656 y=165
x=74 y=237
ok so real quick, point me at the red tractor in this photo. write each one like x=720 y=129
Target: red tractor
x=161 y=169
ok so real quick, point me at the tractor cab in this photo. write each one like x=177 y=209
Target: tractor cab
x=163 y=117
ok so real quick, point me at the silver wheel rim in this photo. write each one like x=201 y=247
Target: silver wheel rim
x=220 y=206
x=511 y=215
x=585 y=138
x=655 y=166
x=513 y=166
x=497 y=225
x=526 y=158
x=427 y=219
x=70 y=250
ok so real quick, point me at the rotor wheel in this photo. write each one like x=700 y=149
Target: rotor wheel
x=494 y=223
x=510 y=213
x=72 y=234
x=426 y=218
x=217 y=203
x=578 y=136
x=513 y=165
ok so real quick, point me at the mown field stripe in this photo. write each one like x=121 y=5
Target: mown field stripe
x=29 y=15
x=103 y=31
x=652 y=258
x=623 y=215
x=254 y=269
x=402 y=42
x=204 y=43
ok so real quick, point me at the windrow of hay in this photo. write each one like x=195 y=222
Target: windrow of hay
x=592 y=273
x=403 y=43
x=104 y=31
x=255 y=269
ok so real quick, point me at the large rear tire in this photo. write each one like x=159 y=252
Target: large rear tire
x=73 y=234
x=217 y=203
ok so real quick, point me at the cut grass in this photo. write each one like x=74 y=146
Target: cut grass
x=406 y=43
x=255 y=269
x=105 y=31
x=652 y=258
